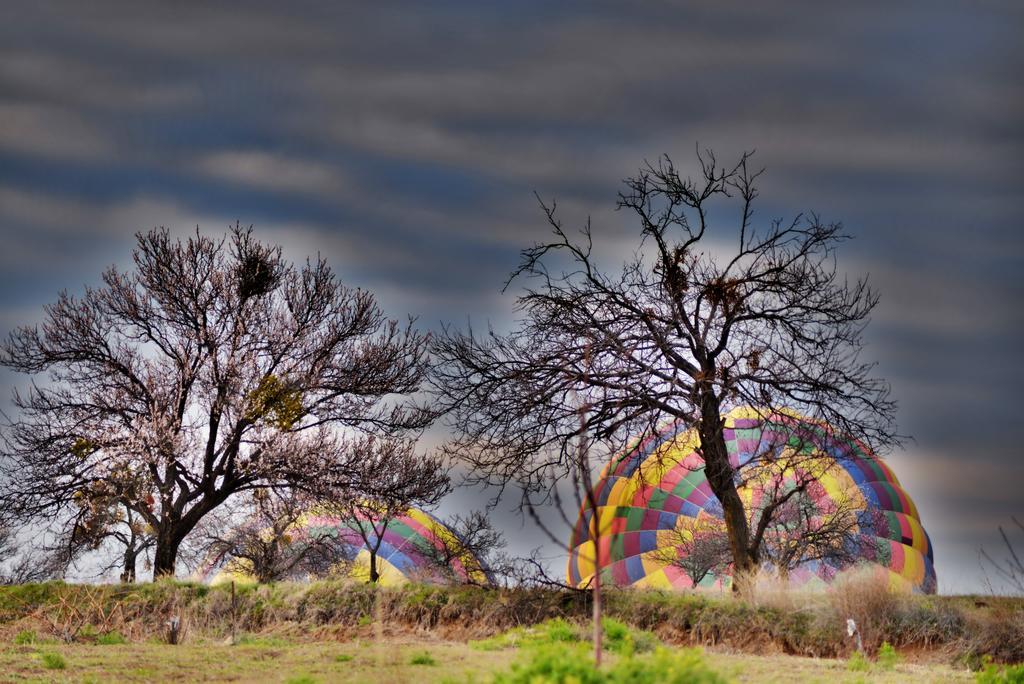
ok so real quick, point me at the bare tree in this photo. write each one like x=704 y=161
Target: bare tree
x=100 y=528
x=698 y=546
x=270 y=543
x=473 y=545
x=794 y=520
x=684 y=331
x=214 y=367
x=1011 y=568
x=21 y=563
x=393 y=478
x=798 y=523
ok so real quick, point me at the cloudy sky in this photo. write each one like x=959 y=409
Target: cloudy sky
x=405 y=143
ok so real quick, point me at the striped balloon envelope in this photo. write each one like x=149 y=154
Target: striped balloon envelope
x=657 y=488
x=414 y=546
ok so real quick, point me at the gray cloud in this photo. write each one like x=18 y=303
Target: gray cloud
x=50 y=132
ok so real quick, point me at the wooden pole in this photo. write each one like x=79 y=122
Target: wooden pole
x=595 y=531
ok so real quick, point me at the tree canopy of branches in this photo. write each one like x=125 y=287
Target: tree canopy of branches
x=104 y=524
x=392 y=478
x=686 y=329
x=795 y=522
x=1009 y=569
x=269 y=544
x=214 y=367
x=474 y=544
x=20 y=563
x=699 y=547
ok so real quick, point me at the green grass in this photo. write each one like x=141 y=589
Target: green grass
x=555 y=630
x=573 y=662
x=391 y=660
x=618 y=636
x=53 y=661
x=25 y=636
x=858 y=663
x=743 y=668
x=114 y=638
x=423 y=658
x=297 y=660
x=258 y=641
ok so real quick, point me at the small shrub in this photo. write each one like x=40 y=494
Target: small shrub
x=993 y=674
x=554 y=663
x=999 y=635
x=54 y=661
x=644 y=641
x=858 y=663
x=302 y=679
x=423 y=658
x=888 y=658
x=343 y=658
x=684 y=666
x=925 y=622
x=560 y=631
x=614 y=630
x=25 y=636
x=114 y=638
x=620 y=638
x=365 y=620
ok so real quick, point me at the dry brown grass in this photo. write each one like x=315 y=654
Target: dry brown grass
x=868 y=599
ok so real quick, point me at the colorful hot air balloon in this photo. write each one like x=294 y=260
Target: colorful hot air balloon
x=658 y=487
x=415 y=546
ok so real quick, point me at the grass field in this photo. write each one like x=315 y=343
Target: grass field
x=340 y=631
x=390 y=660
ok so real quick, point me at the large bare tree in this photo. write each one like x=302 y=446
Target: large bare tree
x=213 y=367
x=697 y=321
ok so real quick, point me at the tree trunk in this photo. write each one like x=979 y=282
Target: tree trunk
x=128 y=572
x=374 y=575
x=595 y=534
x=598 y=627
x=165 y=557
x=720 y=475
